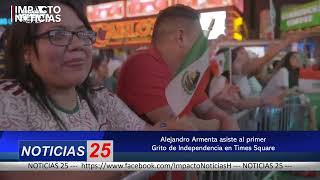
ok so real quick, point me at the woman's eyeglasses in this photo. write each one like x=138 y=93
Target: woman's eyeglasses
x=64 y=38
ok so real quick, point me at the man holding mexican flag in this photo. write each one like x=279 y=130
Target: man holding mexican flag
x=169 y=80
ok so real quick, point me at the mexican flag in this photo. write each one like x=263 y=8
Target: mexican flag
x=309 y=81
x=181 y=89
x=223 y=60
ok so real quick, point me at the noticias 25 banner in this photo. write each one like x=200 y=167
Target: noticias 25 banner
x=129 y=146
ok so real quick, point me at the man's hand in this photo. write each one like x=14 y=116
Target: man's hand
x=187 y=123
x=174 y=125
x=273 y=49
x=276 y=101
x=295 y=36
x=208 y=110
x=228 y=98
x=200 y=124
x=165 y=120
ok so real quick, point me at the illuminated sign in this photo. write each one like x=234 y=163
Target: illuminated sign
x=201 y=4
x=124 y=32
x=300 y=16
x=106 y=11
x=137 y=8
x=236 y=26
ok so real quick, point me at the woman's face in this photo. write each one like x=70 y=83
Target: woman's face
x=241 y=60
x=295 y=61
x=61 y=66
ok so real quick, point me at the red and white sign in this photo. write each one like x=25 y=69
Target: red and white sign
x=309 y=81
x=106 y=11
x=145 y=7
x=202 y=4
x=205 y=4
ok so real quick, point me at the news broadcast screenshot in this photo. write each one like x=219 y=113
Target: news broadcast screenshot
x=159 y=89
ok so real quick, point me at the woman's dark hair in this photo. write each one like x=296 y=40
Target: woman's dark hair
x=20 y=36
x=293 y=72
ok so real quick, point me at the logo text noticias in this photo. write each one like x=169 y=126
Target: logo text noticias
x=35 y=14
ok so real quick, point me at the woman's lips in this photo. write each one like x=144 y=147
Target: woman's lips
x=75 y=62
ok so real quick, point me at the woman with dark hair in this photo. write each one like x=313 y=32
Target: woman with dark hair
x=234 y=96
x=48 y=71
x=293 y=63
x=47 y=86
x=285 y=75
x=244 y=67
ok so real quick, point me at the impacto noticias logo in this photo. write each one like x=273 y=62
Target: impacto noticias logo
x=35 y=14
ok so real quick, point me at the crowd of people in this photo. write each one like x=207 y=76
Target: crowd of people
x=54 y=82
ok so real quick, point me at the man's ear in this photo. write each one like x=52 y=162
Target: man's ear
x=180 y=37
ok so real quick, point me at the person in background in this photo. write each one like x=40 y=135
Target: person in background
x=116 y=73
x=99 y=73
x=47 y=86
x=146 y=74
x=228 y=95
x=254 y=81
x=243 y=68
x=224 y=93
x=113 y=65
x=285 y=76
x=114 y=78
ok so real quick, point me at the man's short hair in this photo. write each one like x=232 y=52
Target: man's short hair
x=171 y=14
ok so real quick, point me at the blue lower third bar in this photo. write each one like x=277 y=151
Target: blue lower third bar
x=52 y=151
x=216 y=157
